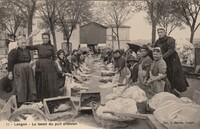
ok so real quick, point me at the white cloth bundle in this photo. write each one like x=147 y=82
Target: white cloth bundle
x=160 y=98
x=178 y=114
x=119 y=105
x=134 y=92
x=186 y=52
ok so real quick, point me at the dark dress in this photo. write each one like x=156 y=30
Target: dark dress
x=24 y=80
x=175 y=73
x=134 y=73
x=46 y=71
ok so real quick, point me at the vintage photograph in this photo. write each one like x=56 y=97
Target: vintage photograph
x=104 y=64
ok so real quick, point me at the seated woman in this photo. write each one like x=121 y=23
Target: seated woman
x=64 y=70
x=144 y=65
x=120 y=66
x=158 y=78
x=132 y=64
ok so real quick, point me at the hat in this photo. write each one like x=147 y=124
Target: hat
x=6 y=88
x=144 y=47
x=161 y=28
x=157 y=49
x=131 y=58
x=118 y=50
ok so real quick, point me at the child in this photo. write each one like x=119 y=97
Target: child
x=158 y=80
x=144 y=65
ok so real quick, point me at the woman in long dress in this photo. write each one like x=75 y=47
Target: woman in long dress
x=46 y=69
x=21 y=72
x=175 y=73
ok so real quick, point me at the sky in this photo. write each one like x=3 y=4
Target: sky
x=140 y=29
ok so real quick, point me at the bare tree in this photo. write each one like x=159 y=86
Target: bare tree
x=115 y=14
x=47 y=10
x=188 y=12
x=170 y=22
x=11 y=19
x=27 y=8
x=71 y=13
x=154 y=10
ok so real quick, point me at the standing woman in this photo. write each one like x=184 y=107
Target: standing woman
x=174 y=69
x=21 y=72
x=46 y=69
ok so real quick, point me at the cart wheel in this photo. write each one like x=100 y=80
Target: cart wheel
x=27 y=114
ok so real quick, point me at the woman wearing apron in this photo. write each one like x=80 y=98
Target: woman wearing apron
x=21 y=72
x=46 y=69
x=144 y=65
x=158 y=81
x=174 y=72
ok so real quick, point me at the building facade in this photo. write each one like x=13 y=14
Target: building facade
x=124 y=37
x=93 y=34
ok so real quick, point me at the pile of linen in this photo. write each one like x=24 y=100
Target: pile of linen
x=119 y=105
x=134 y=92
x=175 y=113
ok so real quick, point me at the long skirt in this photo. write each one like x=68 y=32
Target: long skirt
x=24 y=82
x=175 y=73
x=46 y=75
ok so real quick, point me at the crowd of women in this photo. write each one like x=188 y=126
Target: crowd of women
x=161 y=72
x=157 y=67
x=47 y=79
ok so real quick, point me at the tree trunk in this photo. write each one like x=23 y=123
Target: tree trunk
x=118 y=38
x=153 y=33
x=54 y=38
x=30 y=22
x=192 y=35
x=68 y=46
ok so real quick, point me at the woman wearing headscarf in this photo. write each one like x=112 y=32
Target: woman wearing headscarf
x=175 y=73
x=46 y=68
x=120 y=66
x=21 y=72
x=64 y=70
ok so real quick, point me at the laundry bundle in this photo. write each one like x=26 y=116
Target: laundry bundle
x=119 y=105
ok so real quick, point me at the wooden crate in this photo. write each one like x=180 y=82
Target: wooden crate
x=51 y=104
x=86 y=98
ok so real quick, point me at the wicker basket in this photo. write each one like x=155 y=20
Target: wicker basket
x=110 y=123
